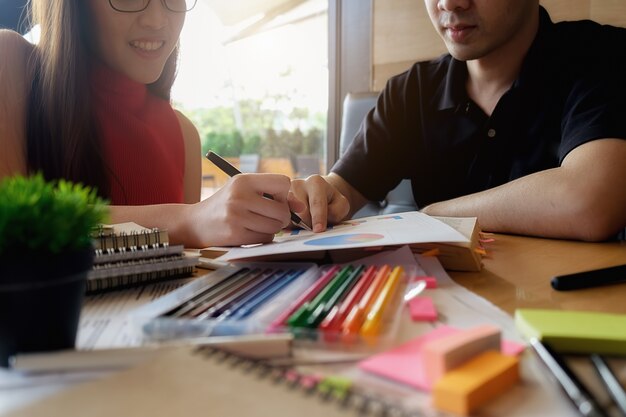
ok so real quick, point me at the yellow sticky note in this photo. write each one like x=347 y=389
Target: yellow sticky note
x=574 y=331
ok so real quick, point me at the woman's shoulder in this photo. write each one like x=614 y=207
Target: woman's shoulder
x=16 y=53
x=191 y=136
x=15 y=45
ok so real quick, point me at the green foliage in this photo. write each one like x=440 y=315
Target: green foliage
x=47 y=216
x=259 y=126
x=228 y=143
x=285 y=143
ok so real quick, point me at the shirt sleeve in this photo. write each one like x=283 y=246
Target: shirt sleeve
x=378 y=157
x=595 y=107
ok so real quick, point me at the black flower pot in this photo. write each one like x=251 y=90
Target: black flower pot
x=41 y=295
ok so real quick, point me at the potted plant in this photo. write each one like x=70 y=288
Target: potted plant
x=46 y=252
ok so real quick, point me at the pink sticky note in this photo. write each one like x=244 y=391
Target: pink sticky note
x=511 y=348
x=404 y=363
x=422 y=309
x=431 y=282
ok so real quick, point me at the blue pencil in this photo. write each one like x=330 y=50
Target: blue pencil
x=253 y=294
x=269 y=292
x=248 y=287
x=207 y=309
x=208 y=294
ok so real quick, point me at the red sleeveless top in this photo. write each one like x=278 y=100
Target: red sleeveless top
x=142 y=141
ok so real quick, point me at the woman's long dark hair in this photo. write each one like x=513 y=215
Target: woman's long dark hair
x=63 y=138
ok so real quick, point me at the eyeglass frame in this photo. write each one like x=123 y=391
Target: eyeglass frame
x=163 y=2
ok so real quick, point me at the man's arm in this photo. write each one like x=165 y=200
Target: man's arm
x=583 y=199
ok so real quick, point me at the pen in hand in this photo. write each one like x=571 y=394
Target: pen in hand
x=231 y=171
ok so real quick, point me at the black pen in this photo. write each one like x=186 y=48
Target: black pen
x=588 y=279
x=575 y=390
x=231 y=171
x=611 y=382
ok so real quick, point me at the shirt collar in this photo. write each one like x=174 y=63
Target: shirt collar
x=452 y=91
x=534 y=64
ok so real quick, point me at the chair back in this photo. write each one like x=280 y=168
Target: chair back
x=356 y=106
x=249 y=162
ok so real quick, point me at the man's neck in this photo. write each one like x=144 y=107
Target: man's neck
x=493 y=75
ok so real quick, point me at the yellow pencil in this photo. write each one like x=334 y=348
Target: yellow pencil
x=353 y=322
x=371 y=326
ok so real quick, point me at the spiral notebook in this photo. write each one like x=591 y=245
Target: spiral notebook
x=202 y=382
x=128 y=255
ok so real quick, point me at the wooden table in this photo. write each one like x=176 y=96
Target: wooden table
x=518 y=270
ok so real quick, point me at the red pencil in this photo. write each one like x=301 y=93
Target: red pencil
x=332 y=323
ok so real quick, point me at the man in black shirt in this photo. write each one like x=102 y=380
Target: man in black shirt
x=522 y=125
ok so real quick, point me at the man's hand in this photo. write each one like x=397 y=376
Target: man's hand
x=325 y=203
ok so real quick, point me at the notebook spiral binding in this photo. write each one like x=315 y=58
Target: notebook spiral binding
x=344 y=396
x=127 y=259
x=108 y=242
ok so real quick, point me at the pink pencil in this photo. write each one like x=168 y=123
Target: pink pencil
x=308 y=295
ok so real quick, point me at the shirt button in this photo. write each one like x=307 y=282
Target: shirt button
x=491 y=133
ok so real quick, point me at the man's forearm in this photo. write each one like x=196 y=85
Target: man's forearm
x=547 y=204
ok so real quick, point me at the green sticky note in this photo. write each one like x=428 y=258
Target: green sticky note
x=574 y=331
x=337 y=386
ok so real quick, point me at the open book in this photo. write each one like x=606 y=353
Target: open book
x=455 y=239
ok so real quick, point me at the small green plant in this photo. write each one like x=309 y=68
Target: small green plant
x=54 y=216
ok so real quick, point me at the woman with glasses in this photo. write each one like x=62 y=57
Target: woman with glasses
x=91 y=103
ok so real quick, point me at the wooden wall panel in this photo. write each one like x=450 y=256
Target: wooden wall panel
x=610 y=12
x=567 y=9
x=402 y=33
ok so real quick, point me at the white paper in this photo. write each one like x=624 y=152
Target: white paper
x=391 y=229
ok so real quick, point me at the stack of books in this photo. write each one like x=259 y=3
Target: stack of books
x=129 y=255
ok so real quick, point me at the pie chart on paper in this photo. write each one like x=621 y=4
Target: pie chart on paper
x=347 y=239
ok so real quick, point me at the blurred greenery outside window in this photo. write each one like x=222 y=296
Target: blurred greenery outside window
x=263 y=92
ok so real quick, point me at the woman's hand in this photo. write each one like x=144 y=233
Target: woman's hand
x=238 y=214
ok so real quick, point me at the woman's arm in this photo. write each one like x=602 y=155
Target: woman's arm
x=193 y=159
x=15 y=75
x=236 y=214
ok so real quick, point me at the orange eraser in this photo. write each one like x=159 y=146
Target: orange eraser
x=442 y=355
x=471 y=385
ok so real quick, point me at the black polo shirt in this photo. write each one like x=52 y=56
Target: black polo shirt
x=570 y=90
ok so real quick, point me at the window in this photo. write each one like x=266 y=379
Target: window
x=257 y=85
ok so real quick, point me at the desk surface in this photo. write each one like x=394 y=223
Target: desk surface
x=516 y=274
x=518 y=270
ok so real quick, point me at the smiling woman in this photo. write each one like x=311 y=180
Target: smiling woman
x=135 y=38
x=91 y=103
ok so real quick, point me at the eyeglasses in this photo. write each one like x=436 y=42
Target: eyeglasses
x=134 y=6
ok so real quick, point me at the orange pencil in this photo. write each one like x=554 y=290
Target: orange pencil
x=332 y=322
x=371 y=326
x=354 y=320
